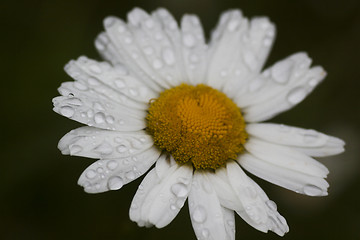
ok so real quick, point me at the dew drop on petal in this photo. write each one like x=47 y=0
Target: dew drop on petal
x=281 y=71
x=157 y=64
x=232 y=25
x=168 y=56
x=179 y=190
x=189 y=40
x=130 y=175
x=74 y=149
x=310 y=136
x=90 y=174
x=296 y=95
x=199 y=215
x=312 y=190
x=67 y=111
x=95 y=69
x=271 y=205
x=110 y=119
x=99 y=118
x=121 y=148
x=205 y=233
x=112 y=165
x=115 y=183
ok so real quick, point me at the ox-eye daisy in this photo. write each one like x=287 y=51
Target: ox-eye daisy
x=167 y=98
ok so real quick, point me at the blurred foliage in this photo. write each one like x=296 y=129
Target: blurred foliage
x=40 y=198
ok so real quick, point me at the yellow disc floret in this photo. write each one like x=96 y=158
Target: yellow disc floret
x=197 y=124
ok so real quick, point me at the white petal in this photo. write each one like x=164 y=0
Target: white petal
x=285 y=157
x=208 y=218
x=310 y=142
x=238 y=51
x=193 y=48
x=100 y=76
x=279 y=88
x=97 y=143
x=255 y=202
x=160 y=201
x=284 y=177
x=112 y=174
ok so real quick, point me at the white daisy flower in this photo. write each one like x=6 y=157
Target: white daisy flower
x=166 y=97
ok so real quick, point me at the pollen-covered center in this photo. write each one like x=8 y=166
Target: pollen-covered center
x=197 y=124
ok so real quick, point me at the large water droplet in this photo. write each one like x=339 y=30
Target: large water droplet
x=296 y=95
x=95 y=69
x=205 y=233
x=67 y=111
x=90 y=174
x=281 y=71
x=199 y=215
x=99 y=118
x=189 y=40
x=312 y=190
x=157 y=64
x=180 y=190
x=168 y=56
x=112 y=165
x=121 y=148
x=115 y=183
x=271 y=205
x=104 y=148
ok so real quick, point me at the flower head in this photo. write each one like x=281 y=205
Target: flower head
x=166 y=97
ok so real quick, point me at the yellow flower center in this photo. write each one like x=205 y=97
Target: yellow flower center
x=197 y=124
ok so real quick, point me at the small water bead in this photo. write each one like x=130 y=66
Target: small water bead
x=109 y=21
x=312 y=190
x=99 y=118
x=121 y=148
x=128 y=40
x=199 y=215
x=130 y=175
x=159 y=36
x=168 y=56
x=148 y=50
x=110 y=119
x=189 y=40
x=205 y=233
x=74 y=149
x=267 y=42
x=194 y=58
x=115 y=183
x=149 y=23
x=112 y=165
x=104 y=148
x=120 y=83
x=271 y=204
x=233 y=25
x=296 y=95
x=133 y=92
x=281 y=71
x=67 y=111
x=90 y=174
x=250 y=60
x=95 y=69
x=93 y=82
x=179 y=190
x=80 y=86
x=157 y=64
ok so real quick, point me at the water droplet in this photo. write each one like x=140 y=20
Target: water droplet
x=312 y=190
x=231 y=223
x=271 y=205
x=199 y=215
x=67 y=111
x=121 y=28
x=172 y=25
x=112 y=165
x=180 y=190
x=95 y=69
x=134 y=55
x=189 y=40
x=281 y=71
x=296 y=95
x=74 y=149
x=173 y=207
x=157 y=64
x=310 y=136
x=99 y=46
x=313 y=82
x=99 y=118
x=250 y=60
x=232 y=25
x=149 y=23
x=80 y=86
x=158 y=36
x=109 y=21
x=223 y=73
x=148 y=50
x=90 y=174
x=115 y=183
x=168 y=56
x=128 y=40
x=121 y=148
x=120 y=83
x=90 y=113
x=130 y=175
x=267 y=42
x=104 y=148
x=194 y=58
x=92 y=81
x=205 y=233
x=133 y=92
x=110 y=119
x=237 y=72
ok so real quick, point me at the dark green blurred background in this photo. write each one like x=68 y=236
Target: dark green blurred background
x=39 y=195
